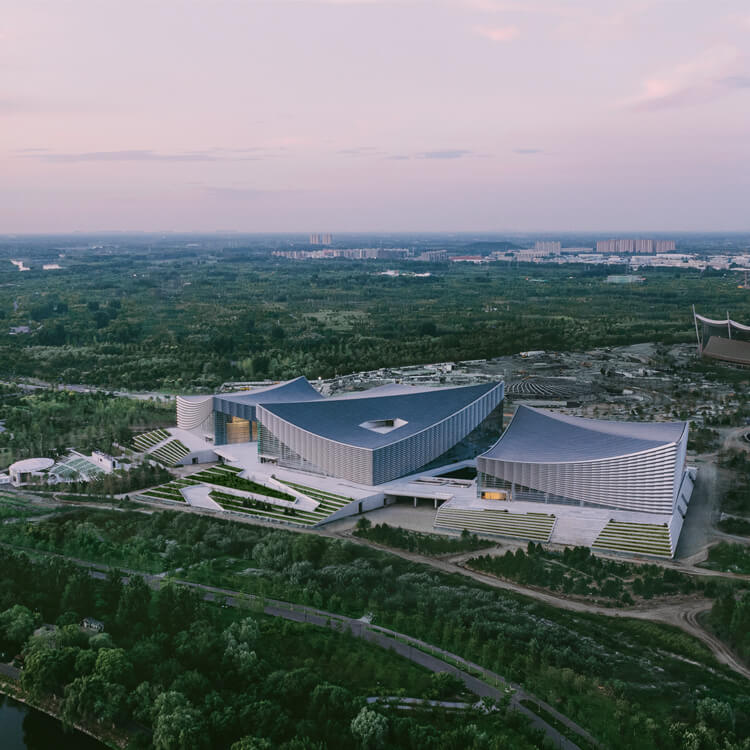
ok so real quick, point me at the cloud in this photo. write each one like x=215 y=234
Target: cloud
x=456 y=153
x=737 y=82
x=20 y=105
x=528 y=151
x=123 y=155
x=144 y=155
x=498 y=33
x=716 y=72
x=443 y=154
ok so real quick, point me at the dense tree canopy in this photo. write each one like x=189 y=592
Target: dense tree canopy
x=192 y=319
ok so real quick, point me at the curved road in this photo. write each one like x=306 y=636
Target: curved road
x=671 y=614
x=420 y=652
x=426 y=655
x=682 y=615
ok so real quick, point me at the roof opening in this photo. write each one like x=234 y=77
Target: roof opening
x=383 y=425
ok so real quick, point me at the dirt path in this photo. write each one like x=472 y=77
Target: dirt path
x=671 y=614
x=682 y=615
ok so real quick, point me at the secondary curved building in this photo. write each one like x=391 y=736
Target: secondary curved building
x=375 y=436
x=554 y=458
x=616 y=486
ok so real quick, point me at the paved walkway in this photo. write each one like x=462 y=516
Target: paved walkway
x=424 y=654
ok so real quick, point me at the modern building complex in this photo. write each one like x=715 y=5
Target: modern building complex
x=294 y=456
x=29 y=471
x=372 y=438
x=546 y=457
x=724 y=340
x=369 y=437
x=617 y=485
x=73 y=467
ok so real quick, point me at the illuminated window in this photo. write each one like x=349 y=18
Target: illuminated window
x=494 y=495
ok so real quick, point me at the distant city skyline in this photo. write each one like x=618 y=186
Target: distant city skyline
x=368 y=116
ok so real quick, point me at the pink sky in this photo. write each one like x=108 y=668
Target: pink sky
x=351 y=115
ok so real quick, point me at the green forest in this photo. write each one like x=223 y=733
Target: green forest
x=48 y=422
x=192 y=319
x=629 y=682
x=577 y=571
x=175 y=673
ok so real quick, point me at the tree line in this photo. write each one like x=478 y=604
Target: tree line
x=626 y=681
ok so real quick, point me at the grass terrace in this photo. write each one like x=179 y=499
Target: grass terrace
x=147 y=440
x=534 y=526
x=262 y=510
x=170 y=490
x=329 y=502
x=222 y=475
x=170 y=453
x=227 y=476
x=635 y=538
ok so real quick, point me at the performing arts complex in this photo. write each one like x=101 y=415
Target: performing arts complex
x=285 y=453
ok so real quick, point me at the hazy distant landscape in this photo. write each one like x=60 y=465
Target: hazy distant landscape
x=146 y=312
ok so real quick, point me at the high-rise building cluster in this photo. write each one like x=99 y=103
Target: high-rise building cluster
x=321 y=239
x=664 y=246
x=353 y=253
x=629 y=246
x=433 y=256
x=543 y=247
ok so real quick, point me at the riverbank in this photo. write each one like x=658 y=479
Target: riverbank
x=111 y=738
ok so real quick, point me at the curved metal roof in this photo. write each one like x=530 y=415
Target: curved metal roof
x=298 y=389
x=341 y=419
x=541 y=436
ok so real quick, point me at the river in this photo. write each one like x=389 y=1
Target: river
x=24 y=728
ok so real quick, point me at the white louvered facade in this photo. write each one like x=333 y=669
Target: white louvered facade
x=195 y=413
x=645 y=480
x=298 y=448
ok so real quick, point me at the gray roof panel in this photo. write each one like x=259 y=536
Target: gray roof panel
x=339 y=419
x=390 y=389
x=541 y=436
x=295 y=390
